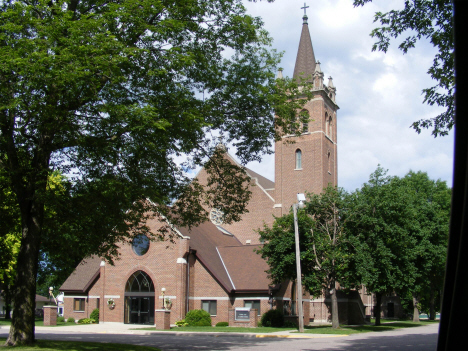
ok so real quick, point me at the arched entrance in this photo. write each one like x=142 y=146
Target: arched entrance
x=139 y=299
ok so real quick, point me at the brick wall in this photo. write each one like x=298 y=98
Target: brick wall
x=319 y=156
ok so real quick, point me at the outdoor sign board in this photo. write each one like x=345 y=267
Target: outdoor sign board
x=242 y=313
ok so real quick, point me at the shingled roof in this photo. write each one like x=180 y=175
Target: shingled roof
x=305 y=60
x=264 y=182
x=246 y=268
x=204 y=239
x=235 y=266
x=217 y=251
x=83 y=276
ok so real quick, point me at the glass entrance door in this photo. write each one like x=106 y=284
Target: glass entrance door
x=139 y=309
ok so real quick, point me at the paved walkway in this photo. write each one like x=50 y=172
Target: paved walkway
x=120 y=328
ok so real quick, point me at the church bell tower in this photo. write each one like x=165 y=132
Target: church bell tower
x=310 y=163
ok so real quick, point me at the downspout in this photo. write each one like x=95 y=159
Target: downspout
x=187 y=284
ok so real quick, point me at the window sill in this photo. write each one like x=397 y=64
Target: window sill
x=80 y=311
x=298 y=169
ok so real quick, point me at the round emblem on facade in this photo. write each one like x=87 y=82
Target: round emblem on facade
x=140 y=244
x=216 y=216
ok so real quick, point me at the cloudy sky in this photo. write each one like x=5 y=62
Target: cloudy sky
x=379 y=94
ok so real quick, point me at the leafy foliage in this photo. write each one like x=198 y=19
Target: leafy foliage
x=222 y=324
x=430 y=19
x=198 y=318
x=95 y=315
x=86 y=321
x=71 y=320
x=113 y=94
x=399 y=234
x=323 y=246
x=273 y=318
x=181 y=323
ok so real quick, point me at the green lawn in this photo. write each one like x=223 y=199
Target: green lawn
x=49 y=345
x=324 y=329
x=39 y=323
x=386 y=325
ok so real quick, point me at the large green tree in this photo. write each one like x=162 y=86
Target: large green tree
x=431 y=200
x=111 y=93
x=9 y=240
x=324 y=251
x=380 y=233
x=399 y=235
x=431 y=20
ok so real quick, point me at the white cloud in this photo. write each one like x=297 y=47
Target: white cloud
x=379 y=94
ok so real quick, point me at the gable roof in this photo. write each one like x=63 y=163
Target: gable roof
x=246 y=268
x=264 y=182
x=235 y=266
x=83 y=276
x=204 y=239
x=218 y=252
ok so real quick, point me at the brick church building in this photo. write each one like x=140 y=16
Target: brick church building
x=214 y=266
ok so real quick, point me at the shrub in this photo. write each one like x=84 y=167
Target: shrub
x=86 y=321
x=273 y=318
x=60 y=319
x=222 y=324
x=289 y=324
x=71 y=320
x=198 y=318
x=95 y=315
x=181 y=323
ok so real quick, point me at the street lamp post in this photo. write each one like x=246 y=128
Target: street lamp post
x=163 y=292
x=300 y=312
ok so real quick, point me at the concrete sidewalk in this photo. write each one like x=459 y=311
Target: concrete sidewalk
x=120 y=328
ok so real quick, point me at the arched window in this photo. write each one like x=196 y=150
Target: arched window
x=298 y=159
x=305 y=125
x=139 y=282
x=330 y=127
x=139 y=299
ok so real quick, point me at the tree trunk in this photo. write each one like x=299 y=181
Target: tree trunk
x=7 y=296
x=432 y=305
x=24 y=293
x=377 y=309
x=415 y=309
x=334 y=308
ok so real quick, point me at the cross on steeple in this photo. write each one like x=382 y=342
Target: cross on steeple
x=304 y=18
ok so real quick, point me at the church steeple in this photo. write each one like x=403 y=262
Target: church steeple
x=307 y=163
x=305 y=60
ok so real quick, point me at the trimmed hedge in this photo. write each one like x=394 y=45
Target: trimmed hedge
x=95 y=315
x=198 y=318
x=222 y=324
x=71 y=320
x=273 y=318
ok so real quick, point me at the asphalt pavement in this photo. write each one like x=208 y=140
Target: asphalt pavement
x=406 y=339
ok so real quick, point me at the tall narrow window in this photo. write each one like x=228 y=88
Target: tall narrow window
x=330 y=134
x=305 y=125
x=298 y=159
x=326 y=124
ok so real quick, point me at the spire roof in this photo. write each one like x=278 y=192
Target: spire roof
x=305 y=60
